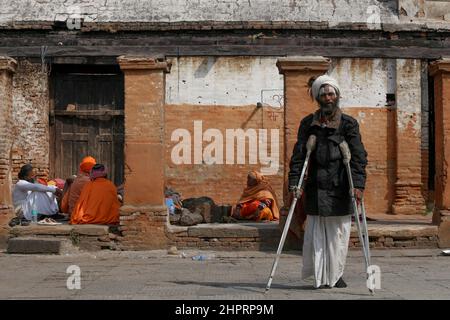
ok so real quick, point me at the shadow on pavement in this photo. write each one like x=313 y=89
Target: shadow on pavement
x=246 y=286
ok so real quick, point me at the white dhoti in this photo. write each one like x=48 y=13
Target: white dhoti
x=44 y=203
x=325 y=248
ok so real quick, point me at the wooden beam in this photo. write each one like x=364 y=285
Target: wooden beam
x=228 y=50
x=62 y=46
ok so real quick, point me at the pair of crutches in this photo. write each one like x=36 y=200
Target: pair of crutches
x=362 y=227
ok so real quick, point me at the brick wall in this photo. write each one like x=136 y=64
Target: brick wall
x=7 y=67
x=222 y=182
x=30 y=118
x=377 y=132
x=6 y=138
x=409 y=187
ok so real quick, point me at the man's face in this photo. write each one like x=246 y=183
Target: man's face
x=327 y=99
x=31 y=176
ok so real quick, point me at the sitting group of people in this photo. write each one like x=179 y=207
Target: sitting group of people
x=87 y=198
x=90 y=198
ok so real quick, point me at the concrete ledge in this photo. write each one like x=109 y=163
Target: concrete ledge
x=231 y=230
x=398 y=231
x=91 y=229
x=60 y=230
x=34 y=245
x=176 y=229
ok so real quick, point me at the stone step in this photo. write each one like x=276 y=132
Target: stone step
x=398 y=235
x=382 y=234
x=234 y=230
x=85 y=237
x=398 y=231
x=32 y=245
x=60 y=230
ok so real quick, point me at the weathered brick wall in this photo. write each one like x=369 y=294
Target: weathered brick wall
x=7 y=67
x=30 y=118
x=409 y=188
x=222 y=182
x=142 y=228
x=5 y=137
x=364 y=84
x=377 y=132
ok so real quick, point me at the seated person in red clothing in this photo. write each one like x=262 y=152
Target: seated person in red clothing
x=258 y=201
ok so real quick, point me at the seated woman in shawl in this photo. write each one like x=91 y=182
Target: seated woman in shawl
x=98 y=203
x=258 y=201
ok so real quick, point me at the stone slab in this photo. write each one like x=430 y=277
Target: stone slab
x=247 y=230
x=91 y=229
x=41 y=230
x=34 y=245
x=398 y=231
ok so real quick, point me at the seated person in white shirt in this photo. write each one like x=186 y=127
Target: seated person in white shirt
x=29 y=195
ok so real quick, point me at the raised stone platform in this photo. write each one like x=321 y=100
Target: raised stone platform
x=226 y=236
x=85 y=237
x=32 y=245
x=260 y=236
x=390 y=234
x=214 y=236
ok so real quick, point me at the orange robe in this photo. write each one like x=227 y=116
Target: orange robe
x=98 y=204
x=72 y=194
x=261 y=191
x=249 y=208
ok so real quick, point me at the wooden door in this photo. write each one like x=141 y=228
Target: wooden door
x=88 y=119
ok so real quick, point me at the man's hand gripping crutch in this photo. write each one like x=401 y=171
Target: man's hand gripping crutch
x=310 y=146
x=361 y=225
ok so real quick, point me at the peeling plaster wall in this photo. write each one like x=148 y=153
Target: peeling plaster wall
x=228 y=81
x=198 y=10
x=409 y=105
x=364 y=82
x=244 y=81
x=424 y=9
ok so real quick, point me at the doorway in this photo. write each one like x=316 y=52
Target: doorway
x=87 y=118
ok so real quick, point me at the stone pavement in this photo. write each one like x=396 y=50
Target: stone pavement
x=239 y=275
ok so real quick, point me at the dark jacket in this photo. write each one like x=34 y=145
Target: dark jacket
x=327 y=187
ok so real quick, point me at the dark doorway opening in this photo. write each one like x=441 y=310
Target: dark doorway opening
x=431 y=136
x=87 y=118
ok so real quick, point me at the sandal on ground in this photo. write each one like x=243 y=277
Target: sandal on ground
x=60 y=217
x=48 y=222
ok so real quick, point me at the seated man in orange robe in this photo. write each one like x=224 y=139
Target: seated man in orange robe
x=98 y=203
x=73 y=191
x=258 y=201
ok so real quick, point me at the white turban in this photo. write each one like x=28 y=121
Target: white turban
x=320 y=81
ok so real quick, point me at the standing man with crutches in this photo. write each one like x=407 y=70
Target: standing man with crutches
x=328 y=203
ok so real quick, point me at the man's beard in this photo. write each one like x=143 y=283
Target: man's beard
x=328 y=108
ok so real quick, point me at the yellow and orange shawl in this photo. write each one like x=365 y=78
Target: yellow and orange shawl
x=262 y=190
